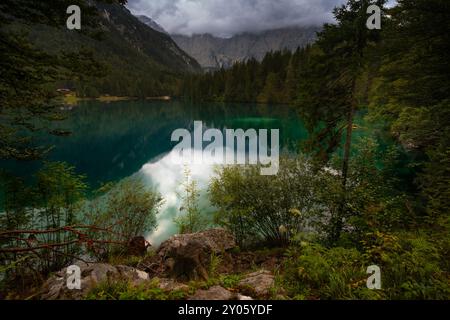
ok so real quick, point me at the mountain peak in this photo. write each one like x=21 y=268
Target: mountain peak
x=215 y=52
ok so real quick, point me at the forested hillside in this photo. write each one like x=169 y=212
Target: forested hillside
x=273 y=80
x=134 y=60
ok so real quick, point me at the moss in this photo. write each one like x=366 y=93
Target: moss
x=124 y=290
x=127 y=260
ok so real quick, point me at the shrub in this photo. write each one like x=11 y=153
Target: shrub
x=267 y=208
x=126 y=211
x=315 y=272
x=415 y=265
x=48 y=203
x=192 y=220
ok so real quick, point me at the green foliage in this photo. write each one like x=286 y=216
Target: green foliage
x=214 y=264
x=50 y=202
x=192 y=220
x=411 y=92
x=269 y=81
x=53 y=206
x=314 y=272
x=126 y=211
x=230 y=281
x=268 y=208
x=435 y=182
x=123 y=290
x=375 y=200
x=414 y=264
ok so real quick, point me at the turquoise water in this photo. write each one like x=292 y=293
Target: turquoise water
x=112 y=141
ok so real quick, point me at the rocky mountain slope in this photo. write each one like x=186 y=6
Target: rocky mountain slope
x=151 y=23
x=139 y=60
x=213 y=52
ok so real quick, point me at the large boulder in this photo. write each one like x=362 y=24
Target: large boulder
x=188 y=256
x=55 y=288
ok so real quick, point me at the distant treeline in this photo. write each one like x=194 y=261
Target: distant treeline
x=273 y=80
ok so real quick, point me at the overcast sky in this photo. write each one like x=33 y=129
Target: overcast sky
x=229 y=17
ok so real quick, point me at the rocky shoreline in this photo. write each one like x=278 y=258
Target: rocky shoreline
x=180 y=264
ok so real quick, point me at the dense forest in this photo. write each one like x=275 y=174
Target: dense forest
x=334 y=208
x=399 y=75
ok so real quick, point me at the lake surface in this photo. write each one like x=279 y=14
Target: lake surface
x=112 y=141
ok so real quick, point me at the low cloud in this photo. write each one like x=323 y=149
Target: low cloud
x=229 y=17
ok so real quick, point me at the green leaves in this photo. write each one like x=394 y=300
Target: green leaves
x=191 y=219
x=128 y=209
x=265 y=209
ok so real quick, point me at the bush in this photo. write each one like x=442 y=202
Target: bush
x=126 y=211
x=48 y=203
x=192 y=220
x=264 y=208
x=415 y=264
x=315 y=272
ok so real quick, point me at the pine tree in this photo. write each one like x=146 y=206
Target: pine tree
x=26 y=103
x=292 y=79
x=330 y=88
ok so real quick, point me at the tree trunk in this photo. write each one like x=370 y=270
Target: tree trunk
x=337 y=221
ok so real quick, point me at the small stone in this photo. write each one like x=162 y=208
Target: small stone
x=171 y=285
x=213 y=293
x=259 y=283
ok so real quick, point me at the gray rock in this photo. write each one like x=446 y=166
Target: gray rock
x=244 y=298
x=55 y=288
x=258 y=283
x=171 y=285
x=213 y=293
x=187 y=256
x=214 y=52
